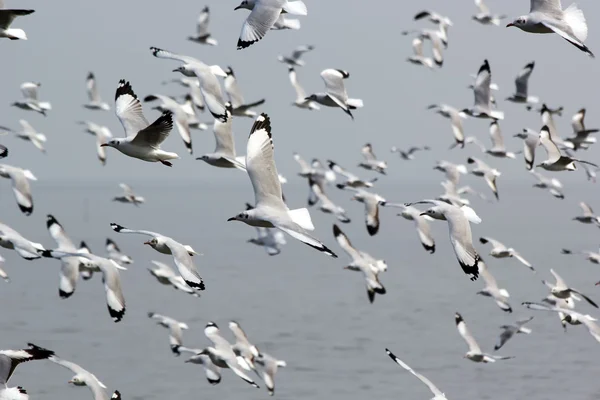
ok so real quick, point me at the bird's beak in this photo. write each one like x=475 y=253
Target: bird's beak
x=509 y=25
x=237 y=8
x=539 y=165
x=70 y=381
x=597 y=283
x=231 y=219
x=148 y=243
x=104 y=145
x=419 y=214
x=175 y=70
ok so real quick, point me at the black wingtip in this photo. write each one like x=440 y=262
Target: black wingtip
x=26 y=210
x=458 y=318
x=430 y=249
x=38 y=353
x=263 y=122
x=483 y=240
x=116 y=395
x=50 y=220
x=117 y=316
x=372 y=229
x=124 y=88
x=196 y=285
x=116 y=227
x=337 y=231
x=242 y=44
x=64 y=295
x=90 y=76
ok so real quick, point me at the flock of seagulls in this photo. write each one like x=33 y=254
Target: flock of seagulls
x=216 y=91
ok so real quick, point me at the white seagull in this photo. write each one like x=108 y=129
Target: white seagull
x=175 y=330
x=20 y=186
x=484 y=16
x=556 y=161
x=28 y=133
x=492 y=289
x=553 y=185
x=351 y=179
x=179 y=115
x=85 y=378
x=562 y=291
x=508 y=331
x=271 y=239
x=270 y=210
x=326 y=205
x=421 y=224
x=547 y=16
x=498 y=149
x=165 y=275
x=114 y=253
x=591 y=256
x=371 y=202
x=336 y=95
x=263 y=15
x=531 y=140
x=437 y=394
x=301 y=100
x=294 y=59
x=182 y=254
x=474 y=353
x=455 y=117
x=481 y=90
x=371 y=162
x=245 y=351
x=128 y=196
x=587 y=320
x=588 y=216
x=6 y=18
x=143 y=139
x=103 y=135
x=95 y=102
x=9 y=360
x=269 y=366
x=203 y=35
x=417 y=57
x=12 y=240
x=408 y=154
x=499 y=250
x=582 y=139
x=239 y=106
x=30 y=98
x=451 y=171
x=521 y=82
x=485 y=171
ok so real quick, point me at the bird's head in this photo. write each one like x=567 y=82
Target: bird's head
x=519 y=22
x=77 y=381
x=112 y=143
x=152 y=242
x=247 y=4
x=185 y=71
x=243 y=216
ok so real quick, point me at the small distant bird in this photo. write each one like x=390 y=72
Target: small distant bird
x=508 y=331
x=326 y=205
x=474 y=354
x=103 y=135
x=481 y=89
x=28 y=133
x=128 y=196
x=270 y=210
x=492 y=289
x=6 y=18
x=547 y=16
x=10 y=359
x=238 y=105
x=455 y=117
x=301 y=100
x=12 y=240
x=460 y=232
x=362 y=262
x=591 y=256
x=421 y=223
x=195 y=95
x=114 y=253
x=437 y=394
x=418 y=58
x=203 y=36
x=351 y=179
x=263 y=15
x=556 y=161
x=485 y=171
x=245 y=351
x=437 y=45
x=433 y=17
x=268 y=368
x=570 y=315
x=498 y=149
x=588 y=216
x=484 y=16
x=452 y=171
x=294 y=59
x=30 y=99
x=562 y=291
x=336 y=95
x=371 y=202
x=179 y=115
x=531 y=140
x=20 y=184
x=85 y=378
x=175 y=330
x=522 y=83
x=286 y=23
x=552 y=184
x=165 y=275
x=582 y=139
x=271 y=239
x=96 y=102
x=143 y=139
x=371 y=162
x=499 y=250
x=408 y=154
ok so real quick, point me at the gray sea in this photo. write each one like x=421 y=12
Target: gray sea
x=301 y=306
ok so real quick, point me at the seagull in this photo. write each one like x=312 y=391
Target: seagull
x=179 y=116
x=294 y=59
x=207 y=76
x=531 y=140
x=111 y=278
x=224 y=155
x=28 y=133
x=484 y=16
x=271 y=239
x=175 y=330
x=547 y=115
x=492 y=290
x=452 y=171
x=455 y=117
x=6 y=18
x=212 y=372
x=591 y=256
x=562 y=291
x=20 y=185
x=582 y=139
x=203 y=36
x=437 y=45
x=556 y=161
x=95 y=102
x=315 y=170
x=239 y=106
x=70 y=266
x=362 y=262
x=433 y=17
x=371 y=202
x=103 y=136
x=499 y=250
x=521 y=82
x=301 y=100
x=587 y=320
x=371 y=162
x=12 y=240
x=143 y=139
x=553 y=185
x=351 y=179
x=270 y=210
x=30 y=98
x=590 y=171
x=408 y=154
x=474 y=353
x=336 y=95
x=481 y=89
x=114 y=253
x=498 y=149
x=264 y=14
x=547 y=16
x=3 y=273
x=128 y=196
x=243 y=349
x=421 y=224
x=460 y=232
x=452 y=195
x=221 y=353
x=286 y=23
x=193 y=85
x=508 y=331
x=418 y=58
x=166 y=245
x=485 y=171
x=85 y=378
x=326 y=205
x=165 y=275
x=437 y=394
x=269 y=366
x=10 y=359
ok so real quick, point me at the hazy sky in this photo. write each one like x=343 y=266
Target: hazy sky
x=111 y=38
